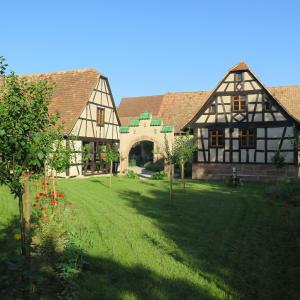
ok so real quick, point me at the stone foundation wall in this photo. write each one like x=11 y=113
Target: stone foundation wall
x=264 y=172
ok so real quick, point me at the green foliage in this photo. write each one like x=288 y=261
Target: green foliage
x=169 y=153
x=60 y=156
x=154 y=166
x=159 y=175
x=184 y=147
x=26 y=129
x=86 y=153
x=112 y=154
x=132 y=162
x=131 y=174
x=278 y=159
x=284 y=191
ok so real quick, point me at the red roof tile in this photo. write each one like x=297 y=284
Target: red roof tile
x=72 y=90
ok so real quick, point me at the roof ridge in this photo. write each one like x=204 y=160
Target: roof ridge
x=284 y=86
x=62 y=72
x=134 y=97
x=241 y=66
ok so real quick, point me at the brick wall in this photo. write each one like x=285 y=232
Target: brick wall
x=265 y=172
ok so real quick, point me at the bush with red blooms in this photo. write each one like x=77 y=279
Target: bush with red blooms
x=50 y=235
x=46 y=202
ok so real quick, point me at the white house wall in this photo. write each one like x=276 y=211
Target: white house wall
x=268 y=142
x=86 y=126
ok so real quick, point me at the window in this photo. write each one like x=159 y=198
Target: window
x=247 y=138
x=239 y=103
x=239 y=76
x=100 y=116
x=267 y=105
x=213 y=108
x=216 y=138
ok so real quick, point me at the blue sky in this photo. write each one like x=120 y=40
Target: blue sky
x=152 y=47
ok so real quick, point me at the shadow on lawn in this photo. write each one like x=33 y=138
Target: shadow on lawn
x=231 y=237
x=96 y=278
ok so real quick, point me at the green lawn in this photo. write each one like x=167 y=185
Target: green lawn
x=212 y=242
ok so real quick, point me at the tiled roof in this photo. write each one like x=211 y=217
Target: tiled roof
x=173 y=108
x=134 y=106
x=288 y=97
x=72 y=90
x=241 y=66
x=179 y=108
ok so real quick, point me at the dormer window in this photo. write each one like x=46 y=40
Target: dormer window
x=239 y=103
x=239 y=76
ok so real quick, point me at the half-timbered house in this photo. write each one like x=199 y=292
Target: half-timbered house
x=243 y=125
x=85 y=104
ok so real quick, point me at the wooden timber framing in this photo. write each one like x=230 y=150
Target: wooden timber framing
x=274 y=129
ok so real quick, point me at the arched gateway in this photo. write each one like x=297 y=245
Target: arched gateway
x=140 y=130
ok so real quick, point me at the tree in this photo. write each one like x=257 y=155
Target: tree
x=112 y=154
x=170 y=159
x=25 y=132
x=59 y=157
x=184 y=148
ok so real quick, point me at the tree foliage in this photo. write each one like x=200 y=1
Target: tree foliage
x=111 y=155
x=184 y=148
x=26 y=129
x=27 y=132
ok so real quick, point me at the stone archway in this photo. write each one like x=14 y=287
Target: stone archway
x=126 y=146
x=144 y=128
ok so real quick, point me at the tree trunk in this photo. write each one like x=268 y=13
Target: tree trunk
x=171 y=182
x=22 y=226
x=27 y=201
x=111 y=167
x=182 y=174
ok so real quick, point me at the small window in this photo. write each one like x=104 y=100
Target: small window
x=267 y=105
x=239 y=103
x=216 y=138
x=247 y=138
x=213 y=108
x=239 y=76
x=100 y=116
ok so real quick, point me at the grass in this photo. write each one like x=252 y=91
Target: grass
x=212 y=242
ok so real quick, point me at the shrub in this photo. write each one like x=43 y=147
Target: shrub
x=278 y=159
x=156 y=166
x=284 y=191
x=132 y=162
x=159 y=175
x=131 y=175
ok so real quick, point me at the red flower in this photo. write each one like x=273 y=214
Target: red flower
x=44 y=181
x=59 y=195
x=34 y=205
x=52 y=194
x=26 y=174
x=53 y=201
x=36 y=197
x=37 y=201
x=41 y=194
